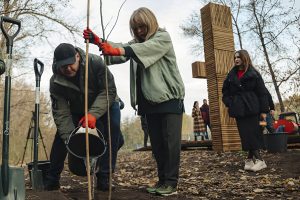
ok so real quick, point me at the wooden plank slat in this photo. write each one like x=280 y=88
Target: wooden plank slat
x=198 y=69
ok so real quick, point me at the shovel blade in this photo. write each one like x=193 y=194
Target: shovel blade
x=16 y=184
x=37 y=180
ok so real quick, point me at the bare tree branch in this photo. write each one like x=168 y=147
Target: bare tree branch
x=116 y=19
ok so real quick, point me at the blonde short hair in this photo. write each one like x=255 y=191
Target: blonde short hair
x=143 y=16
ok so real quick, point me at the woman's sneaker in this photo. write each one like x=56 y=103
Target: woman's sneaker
x=166 y=190
x=259 y=165
x=153 y=189
x=248 y=164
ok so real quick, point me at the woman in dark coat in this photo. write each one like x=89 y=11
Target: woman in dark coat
x=245 y=95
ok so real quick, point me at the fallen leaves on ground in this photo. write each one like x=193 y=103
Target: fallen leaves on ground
x=213 y=175
x=204 y=174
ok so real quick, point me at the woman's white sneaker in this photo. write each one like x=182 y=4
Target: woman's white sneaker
x=258 y=165
x=248 y=164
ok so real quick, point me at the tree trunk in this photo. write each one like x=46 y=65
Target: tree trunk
x=282 y=109
x=263 y=44
x=238 y=32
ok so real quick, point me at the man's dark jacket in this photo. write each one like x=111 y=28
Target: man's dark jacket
x=68 y=98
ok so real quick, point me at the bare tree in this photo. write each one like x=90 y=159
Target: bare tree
x=39 y=19
x=269 y=23
x=192 y=27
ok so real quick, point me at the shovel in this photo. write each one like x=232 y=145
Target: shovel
x=36 y=174
x=12 y=184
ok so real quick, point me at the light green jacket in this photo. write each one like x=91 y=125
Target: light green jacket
x=160 y=77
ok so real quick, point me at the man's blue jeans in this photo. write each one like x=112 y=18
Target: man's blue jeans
x=117 y=140
x=59 y=151
x=270 y=121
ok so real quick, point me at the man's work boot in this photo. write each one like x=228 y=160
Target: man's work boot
x=103 y=184
x=51 y=184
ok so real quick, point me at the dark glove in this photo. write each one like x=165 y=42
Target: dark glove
x=91 y=121
x=92 y=37
x=65 y=137
x=107 y=49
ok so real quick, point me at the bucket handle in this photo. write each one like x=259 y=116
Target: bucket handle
x=82 y=157
x=10 y=38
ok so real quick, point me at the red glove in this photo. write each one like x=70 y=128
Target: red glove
x=92 y=37
x=91 y=121
x=107 y=49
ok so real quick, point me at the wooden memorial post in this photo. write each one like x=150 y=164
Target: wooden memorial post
x=219 y=52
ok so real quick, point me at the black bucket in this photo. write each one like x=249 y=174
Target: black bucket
x=276 y=142
x=77 y=151
x=42 y=165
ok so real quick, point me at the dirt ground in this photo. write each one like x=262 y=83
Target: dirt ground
x=204 y=174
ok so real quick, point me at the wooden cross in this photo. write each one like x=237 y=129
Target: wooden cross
x=219 y=52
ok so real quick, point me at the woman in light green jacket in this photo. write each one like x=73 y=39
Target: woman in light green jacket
x=156 y=89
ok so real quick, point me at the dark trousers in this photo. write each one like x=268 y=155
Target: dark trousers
x=145 y=129
x=59 y=151
x=165 y=138
x=207 y=124
x=250 y=133
x=145 y=138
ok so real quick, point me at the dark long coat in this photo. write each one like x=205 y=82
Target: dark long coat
x=246 y=98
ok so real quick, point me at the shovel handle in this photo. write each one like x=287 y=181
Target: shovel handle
x=38 y=71
x=10 y=38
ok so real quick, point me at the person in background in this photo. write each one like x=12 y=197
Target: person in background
x=245 y=95
x=205 y=116
x=144 y=126
x=67 y=97
x=156 y=90
x=270 y=115
x=199 y=125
